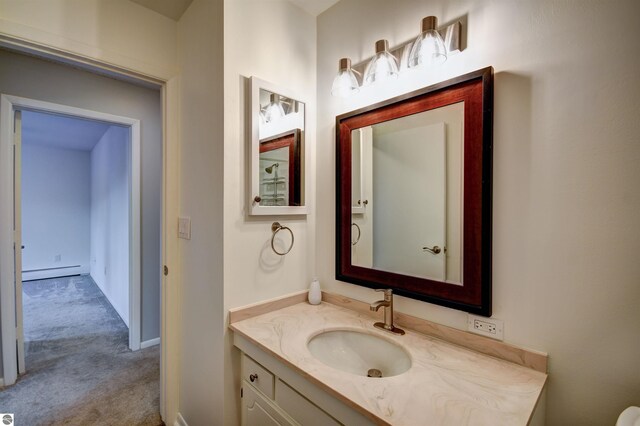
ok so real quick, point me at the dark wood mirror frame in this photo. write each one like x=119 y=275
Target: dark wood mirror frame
x=290 y=140
x=476 y=91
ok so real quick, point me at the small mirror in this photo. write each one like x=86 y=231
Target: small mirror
x=277 y=151
x=414 y=194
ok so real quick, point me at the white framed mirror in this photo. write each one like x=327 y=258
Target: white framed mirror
x=278 y=156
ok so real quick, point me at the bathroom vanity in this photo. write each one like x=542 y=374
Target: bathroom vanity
x=304 y=364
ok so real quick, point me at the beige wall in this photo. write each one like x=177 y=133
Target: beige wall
x=274 y=41
x=117 y=32
x=200 y=35
x=566 y=200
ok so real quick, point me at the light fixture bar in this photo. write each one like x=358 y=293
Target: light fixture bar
x=452 y=35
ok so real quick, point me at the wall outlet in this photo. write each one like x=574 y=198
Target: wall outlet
x=490 y=327
x=184 y=228
x=57 y=258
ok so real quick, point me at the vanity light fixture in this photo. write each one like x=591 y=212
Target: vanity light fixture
x=428 y=49
x=383 y=66
x=274 y=111
x=346 y=83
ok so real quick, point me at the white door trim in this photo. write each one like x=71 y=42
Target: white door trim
x=17 y=232
x=9 y=104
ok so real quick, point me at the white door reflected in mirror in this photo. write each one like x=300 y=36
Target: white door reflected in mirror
x=409 y=170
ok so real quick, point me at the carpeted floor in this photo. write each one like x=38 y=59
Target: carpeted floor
x=80 y=370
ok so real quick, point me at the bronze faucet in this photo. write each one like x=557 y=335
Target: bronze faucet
x=387 y=303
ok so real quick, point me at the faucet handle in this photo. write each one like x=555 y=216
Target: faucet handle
x=387 y=293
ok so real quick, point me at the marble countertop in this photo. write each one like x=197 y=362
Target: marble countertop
x=446 y=384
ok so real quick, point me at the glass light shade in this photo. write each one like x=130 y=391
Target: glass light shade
x=346 y=83
x=428 y=49
x=274 y=110
x=382 y=67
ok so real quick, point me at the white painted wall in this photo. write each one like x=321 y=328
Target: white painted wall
x=119 y=32
x=110 y=217
x=252 y=272
x=200 y=43
x=56 y=199
x=565 y=207
x=33 y=78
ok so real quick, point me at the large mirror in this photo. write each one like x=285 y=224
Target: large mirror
x=414 y=194
x=277 y=151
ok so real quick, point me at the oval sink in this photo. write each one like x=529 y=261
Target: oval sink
x=359 y=353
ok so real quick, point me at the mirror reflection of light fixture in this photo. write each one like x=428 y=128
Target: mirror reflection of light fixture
x=428 y=49
x=346 y=83
x=274 y=111
x=383 y=66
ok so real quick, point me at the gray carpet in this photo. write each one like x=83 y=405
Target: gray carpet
x=80 y=370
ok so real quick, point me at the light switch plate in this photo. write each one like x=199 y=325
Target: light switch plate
x=184 y=228
x=490 y=327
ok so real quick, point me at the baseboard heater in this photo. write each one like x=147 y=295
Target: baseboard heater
x=62 y=274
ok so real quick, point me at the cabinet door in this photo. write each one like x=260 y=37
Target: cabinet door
x=258 y=411
x=300 y=408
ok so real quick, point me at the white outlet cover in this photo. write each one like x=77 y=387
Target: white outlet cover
x=482 y=325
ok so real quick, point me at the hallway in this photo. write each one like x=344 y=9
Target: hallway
x=79 y=368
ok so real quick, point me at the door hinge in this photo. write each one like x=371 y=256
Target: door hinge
x=166 y=270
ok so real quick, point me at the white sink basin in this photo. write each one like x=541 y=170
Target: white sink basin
x=359 y=353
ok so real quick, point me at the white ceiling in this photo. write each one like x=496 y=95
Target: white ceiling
x=175 y=8
x=315 y=7
x=57 y=131
x=170 y=8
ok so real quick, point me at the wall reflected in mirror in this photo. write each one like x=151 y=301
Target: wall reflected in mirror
x=281 y=135
x=407 y=192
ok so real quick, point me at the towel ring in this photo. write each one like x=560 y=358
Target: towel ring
x=353 y=243
x=275 y=228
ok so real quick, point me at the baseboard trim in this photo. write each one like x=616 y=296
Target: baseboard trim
x=149 y=343
x=180 y=421
x=49 y=273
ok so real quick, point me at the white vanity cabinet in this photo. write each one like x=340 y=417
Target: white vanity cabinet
x=285 y=380
x=258 y=410
x=273 y=394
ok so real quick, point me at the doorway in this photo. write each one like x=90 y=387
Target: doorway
x=13 y=109
x=31 y=78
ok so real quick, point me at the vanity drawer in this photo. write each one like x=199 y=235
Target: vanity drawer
x=300 y=408
x=258 y=376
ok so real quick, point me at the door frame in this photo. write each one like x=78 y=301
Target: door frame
x=8 y=106
x=170 y=291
